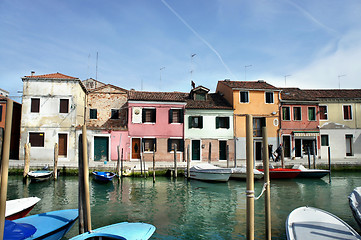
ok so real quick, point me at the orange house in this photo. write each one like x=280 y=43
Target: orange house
x=262 y=101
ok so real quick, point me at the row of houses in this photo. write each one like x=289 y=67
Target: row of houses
x=199 y=125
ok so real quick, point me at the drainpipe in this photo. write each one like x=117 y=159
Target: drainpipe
x=279 y=118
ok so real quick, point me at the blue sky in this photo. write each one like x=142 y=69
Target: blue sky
x=148 y=44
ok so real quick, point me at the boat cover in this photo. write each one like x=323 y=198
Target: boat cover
x=210 y=168
x=18 y=231
x=355 y=204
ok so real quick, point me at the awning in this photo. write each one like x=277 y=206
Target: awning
x=306 y=133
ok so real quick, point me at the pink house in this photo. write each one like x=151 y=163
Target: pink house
x=156 y=125
x=299 y=123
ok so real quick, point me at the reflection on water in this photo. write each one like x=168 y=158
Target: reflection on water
x=182 y=209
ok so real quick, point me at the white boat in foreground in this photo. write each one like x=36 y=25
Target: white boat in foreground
x=355 y=204
x=241 y=173
x=312 y=223
x=209 y=172
x=18 y=208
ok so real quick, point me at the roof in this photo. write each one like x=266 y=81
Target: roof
x=51 y=76
x=334 y=93
x=99 y=89
x=214 y=101
x=254 y=85
x=296 y=94
x=157 y=96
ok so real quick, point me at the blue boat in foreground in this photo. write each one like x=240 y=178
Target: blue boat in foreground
x=123 y=230
x=49 y=226
x=103 y=176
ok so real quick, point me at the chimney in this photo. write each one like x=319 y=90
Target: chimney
x=32 y=73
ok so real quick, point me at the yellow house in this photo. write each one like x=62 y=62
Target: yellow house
x=259 y=99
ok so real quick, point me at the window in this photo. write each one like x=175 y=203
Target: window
x=297 y=116
x=148 y=115
x=93 y=113
x=36 y=139
x=195 y=122
x=243 y=97
x=64 y=106
x=258 y=123
x=35 y=105
x=149 y=144
x=200 y=96
x=222 y=122
x=173 y=142
x=269 y=97
x=286 y=114
x=347 y=112
x=175 y=115
x=324 y=140
x=114 y=114
x=323 y=113
x=311 y=114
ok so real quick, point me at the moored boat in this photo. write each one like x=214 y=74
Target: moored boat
x=103 y=176
x=282 y=173
x=209 y=172
x=123 y=230
x=18 y=208
x=50 y=225
x=241 y=173
x=314 y=223
x=355 y=204
x=310 y=173
x=40 y=175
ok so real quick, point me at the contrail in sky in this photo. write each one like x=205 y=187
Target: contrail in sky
x=199 y=36
x=313 y=19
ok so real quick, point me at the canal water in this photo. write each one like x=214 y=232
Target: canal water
x=182 y=209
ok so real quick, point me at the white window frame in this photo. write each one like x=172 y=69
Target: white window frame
x=326 y=112
x=343 y=112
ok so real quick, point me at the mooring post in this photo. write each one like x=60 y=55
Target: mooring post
x=267 y=183
x=117 y=170
x=250 y=177
x=314 y=154
x=154 y=163
x=56 y=157
x=188 y=162
x=309 y=157
x=121 y=165
x=5 y=165
x=329 y=164
x=145 y=173
x=175 y=161
x=27 y=147
x=87 y=214
x=141 y=160
x=227 y=155
x=209 y=152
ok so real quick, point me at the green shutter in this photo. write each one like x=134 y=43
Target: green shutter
x=190 y=122
x=170 y=115
x=201 y=122
x=217 y=122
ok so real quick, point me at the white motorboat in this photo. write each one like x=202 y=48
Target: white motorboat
x=312 y=223
x=18 y=208
x=209 y=172
x=40 y=175
x=310 y=173
x=241 y=173
x=355 y=204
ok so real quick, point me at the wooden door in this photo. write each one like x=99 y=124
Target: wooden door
x=136 y=148
x=63 y=144
x=101 y=148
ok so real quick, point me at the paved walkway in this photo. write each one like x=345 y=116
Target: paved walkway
x=322 y=163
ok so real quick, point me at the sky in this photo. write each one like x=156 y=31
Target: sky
x=162 y=45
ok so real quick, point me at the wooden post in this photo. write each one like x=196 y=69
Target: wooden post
x=121 y=165
x=56 y=156
x=88 y=226
x=309 y=157
x=227 y=155
x=175 y=161
x=141 y=159
x=145 y=173
x=188 y=161
x=154 y=163
x=209 y=152
x=282 y=157
x=118 y=163
x=250 y=177
x=26 y=160
x=81 y=197
x=329 y=164
x=5 y=165
x=267 y=182
x=314 y=154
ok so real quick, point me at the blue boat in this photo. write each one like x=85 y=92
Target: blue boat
x=48 y=226
x=103 y=176
x=123 y=230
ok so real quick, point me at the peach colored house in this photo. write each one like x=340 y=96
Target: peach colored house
x=259 y=99
x=299 y=123
x=155 y=125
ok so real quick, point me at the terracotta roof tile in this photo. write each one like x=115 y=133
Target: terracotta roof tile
x=296 y=94
x=334 y=93
x=256 y=85
x=157 y=96
x=214 y=101
x=52 y=76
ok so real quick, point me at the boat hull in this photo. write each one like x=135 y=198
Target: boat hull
x=355 y=204
x=19 y=208
x=313 y=223
x=103 y=176
x=283 y=173
x=40 y=175
x=124 y=230
x=51 y=225
x=313 y=174
x=241 y=173
x=210 y=176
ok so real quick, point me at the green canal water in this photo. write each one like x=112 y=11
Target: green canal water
x=182 y=209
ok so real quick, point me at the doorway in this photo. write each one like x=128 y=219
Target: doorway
x=101 y=148
x=196 y=150
x=258 y=150
x=349 y=138
x=222 y=150
x=136 y=148
x=63 y=144
x=287 y=146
